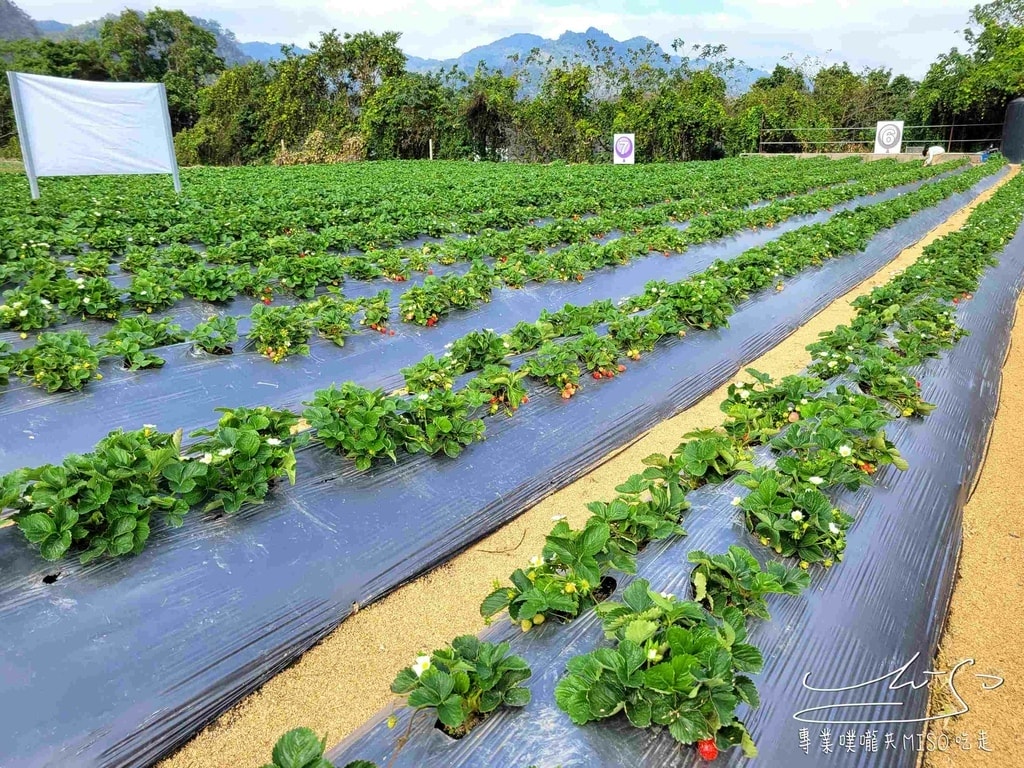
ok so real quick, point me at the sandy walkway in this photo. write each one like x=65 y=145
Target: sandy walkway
x=340 y=683
x=984 y=621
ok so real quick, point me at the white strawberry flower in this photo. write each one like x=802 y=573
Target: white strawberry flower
x=736 y=501
x=652 y=654
x=44 y=302
x=739 y=385
x=23 y=313
x=424 y=396
x=536 y=561
x=845 y=451
x=834 y=529
x=206 y=458
x=815 y=480
x=744 y=394
x=225 y=451
x=797 y=515
x=667 y=595
x=86 y=300
x=273 y=441
x=422 y=665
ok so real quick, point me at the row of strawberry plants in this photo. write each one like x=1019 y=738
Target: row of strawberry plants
x=679 y=664
x=820 y=441
x=45 y=295
x=66 y=361
x=515 y=266
x=389 y=203
x=367 y=425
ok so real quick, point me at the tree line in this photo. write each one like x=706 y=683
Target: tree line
x=351 y=97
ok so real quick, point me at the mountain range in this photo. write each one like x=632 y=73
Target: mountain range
x=16 y=24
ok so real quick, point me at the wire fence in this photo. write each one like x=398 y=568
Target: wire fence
x=953 y=137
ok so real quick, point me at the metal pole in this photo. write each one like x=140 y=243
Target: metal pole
x=431 y=148
x=950 y=144
x=170 y=139
x=26 y=147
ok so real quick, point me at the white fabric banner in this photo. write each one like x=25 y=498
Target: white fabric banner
x=84 y=128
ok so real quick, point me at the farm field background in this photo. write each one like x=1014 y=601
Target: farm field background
x=381 y=335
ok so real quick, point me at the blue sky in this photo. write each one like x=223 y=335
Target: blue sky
x=905 y=36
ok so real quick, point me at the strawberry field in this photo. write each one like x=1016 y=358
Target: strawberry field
x=234 y=417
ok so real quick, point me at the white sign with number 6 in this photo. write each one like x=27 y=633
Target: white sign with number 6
x=889 y=137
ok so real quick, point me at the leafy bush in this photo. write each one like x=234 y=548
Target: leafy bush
x=735 y=580
x=100 y=501
x=58 y=362
x=673 y=665
x=364 y=424
x=278 y=332
x=464 y=681
x=238 y=459
x=216 y=335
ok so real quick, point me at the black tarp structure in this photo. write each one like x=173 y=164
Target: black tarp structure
x=118 y=662
x=882 y=608
x=1013 y=131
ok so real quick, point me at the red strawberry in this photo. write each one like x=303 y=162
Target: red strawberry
x=392 y=333
x=266 y=300
x=622 y=368
x=596 y=374
x=525 y=400
x=918 y=382
x=707 y=749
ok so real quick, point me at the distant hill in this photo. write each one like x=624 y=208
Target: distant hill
x=15 y=24
x=570 y=46
x=227 y=44
x=267 y=51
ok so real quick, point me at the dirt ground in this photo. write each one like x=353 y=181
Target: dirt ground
x=984 y=620
x=344 y=680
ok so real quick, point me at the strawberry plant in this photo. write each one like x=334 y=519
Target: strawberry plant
x=153 y=289
x=571 y=320
x=216 y=284
x=557 y=366
x=278 y=332
x=59 y=362
x=736 y=580
x=706 y=457
x=332 y=315
x=881 y=374
x=377 y=311
x=302 y=748
x=757 y=411
x=439 y=420
x=562 y=581
x=637 y=334
x=5 y=363
x=237 y=461
x=216 y=335
x=430 y=373
x=599 y=354
x=89 y=297
x=794 y=520
x=673 y=665
x=26 y=310
x=92 y=264
x=464 y=681
x=363 y=424
x=477 y=349
x=423 y=304
x=501 y=387
x=643 y=511
x=101 y=501
x=526 y=337
x=132 y=336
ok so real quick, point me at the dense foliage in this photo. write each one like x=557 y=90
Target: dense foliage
x=351 y=97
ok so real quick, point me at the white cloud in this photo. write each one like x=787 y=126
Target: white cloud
x=904 y=36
